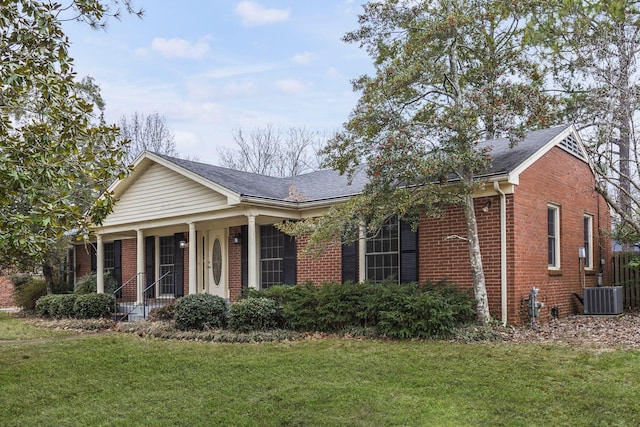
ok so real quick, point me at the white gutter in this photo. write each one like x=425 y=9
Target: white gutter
x=503 y=250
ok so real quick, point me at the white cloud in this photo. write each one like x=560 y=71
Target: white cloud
x=240 y=89
x=253 y=13
x=333 y=73
x=292 y=86
x=303 y=58
x=175 y=48
x=221 y=73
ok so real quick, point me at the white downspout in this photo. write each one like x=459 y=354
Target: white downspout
x=503 y=250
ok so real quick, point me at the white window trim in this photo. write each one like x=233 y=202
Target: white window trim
x=556 y=209
x=589 y=254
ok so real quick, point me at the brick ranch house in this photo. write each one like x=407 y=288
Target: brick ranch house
x=206 y=229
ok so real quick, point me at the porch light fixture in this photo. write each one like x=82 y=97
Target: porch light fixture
x=183 y=244
x=237 y=239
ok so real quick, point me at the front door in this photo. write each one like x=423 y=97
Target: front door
x=217 y=263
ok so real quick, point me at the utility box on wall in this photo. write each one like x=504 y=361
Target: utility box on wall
x=604 y=300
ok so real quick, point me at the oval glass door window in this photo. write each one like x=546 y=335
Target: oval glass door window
x=216 y=261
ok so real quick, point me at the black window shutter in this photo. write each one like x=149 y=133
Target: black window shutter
x=94 y=258
x=408 y=253
x=350 y=262
x=150 y=264
x=117 y=265
x=289 y=261
x=244 y=257
x=178 y=265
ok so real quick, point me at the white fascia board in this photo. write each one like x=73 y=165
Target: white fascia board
x=515 y=175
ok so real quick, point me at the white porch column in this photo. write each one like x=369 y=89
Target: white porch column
x=140 y=282
x=253 y=254
x=193 y=260
x=100 y=265
x=362 y=252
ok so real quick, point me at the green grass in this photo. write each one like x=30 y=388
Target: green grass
x=12 y=328
x=122 y=380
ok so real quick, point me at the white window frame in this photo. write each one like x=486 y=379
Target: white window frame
x=588 y=241
x=555 y=264
x=159 y=268
x=370 y=255
x=270 y=261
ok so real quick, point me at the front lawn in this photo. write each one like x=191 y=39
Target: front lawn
x=123 y=380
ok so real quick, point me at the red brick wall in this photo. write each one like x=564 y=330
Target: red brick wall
x=83 y=261
x=570 y=186
x=129 y=269
x=318 y=269
x=561 y=179
x=6 y=291
x=443 y=255
x=235 y=266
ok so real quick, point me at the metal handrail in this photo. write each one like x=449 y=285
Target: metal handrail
x=126 y=283
x=144 y=293
x=115 y=298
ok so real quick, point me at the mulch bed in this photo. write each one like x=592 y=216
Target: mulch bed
x=599 y=332
x=580 y=330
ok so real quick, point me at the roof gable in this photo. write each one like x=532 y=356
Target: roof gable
x=160 y=193
x=507 y=162
x=512 y=161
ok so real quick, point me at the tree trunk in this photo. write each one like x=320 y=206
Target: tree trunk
x=47 y=273
x=475 y=258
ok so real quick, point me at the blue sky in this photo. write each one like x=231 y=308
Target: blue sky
x=211 y=66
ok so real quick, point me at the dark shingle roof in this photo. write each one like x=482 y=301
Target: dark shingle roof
x=314 y=186
x=328 y=184
x=505 y=159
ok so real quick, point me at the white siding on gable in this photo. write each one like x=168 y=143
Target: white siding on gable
x=162 y=193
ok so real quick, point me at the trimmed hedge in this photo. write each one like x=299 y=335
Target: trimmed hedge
x=85 y=306
x=200 y=311
x=63 y=306
x=392 y=310
x=253 y=314
x=93 y=306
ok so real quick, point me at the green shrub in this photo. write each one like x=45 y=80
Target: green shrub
x=253 y=314
x=93 y=306
x=424 y=312
x=300 y=308
x=166 y=312
x=200 y=311
x=390 y=309
x=88 y=284
x=26 y=294
x=43 y=305
x=62 y=306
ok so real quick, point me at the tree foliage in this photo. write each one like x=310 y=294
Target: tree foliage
x=592 y=48
x=271 y=151
x=448 y=74
x=48 y=145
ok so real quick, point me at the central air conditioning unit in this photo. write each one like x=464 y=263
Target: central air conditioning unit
x=603 y=300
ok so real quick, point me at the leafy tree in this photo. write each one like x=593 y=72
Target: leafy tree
x=146 y=132
x=48 y=145
x=448 y=74
x=270 y=151
x=592 y=48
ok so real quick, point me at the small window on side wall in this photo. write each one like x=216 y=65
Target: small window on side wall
x=588 y=241
x=553 y=234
